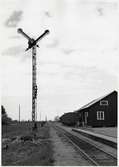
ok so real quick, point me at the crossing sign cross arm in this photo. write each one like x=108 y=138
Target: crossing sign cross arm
x=19 y=30
x=41 y=36
x=31 y=41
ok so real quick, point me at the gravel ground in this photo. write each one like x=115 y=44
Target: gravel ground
x=64 y=153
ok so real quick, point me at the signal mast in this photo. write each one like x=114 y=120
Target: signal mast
x=32 y=44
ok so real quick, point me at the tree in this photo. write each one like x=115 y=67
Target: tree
x=3 y=110
x=5 y=119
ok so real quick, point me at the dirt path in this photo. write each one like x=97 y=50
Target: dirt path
x=64 y=153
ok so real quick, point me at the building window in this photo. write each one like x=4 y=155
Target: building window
x=100 y=115
x=104 y=102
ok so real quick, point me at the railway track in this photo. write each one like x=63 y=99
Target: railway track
x=92 y=154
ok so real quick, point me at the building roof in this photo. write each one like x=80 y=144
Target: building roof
x=95 y=101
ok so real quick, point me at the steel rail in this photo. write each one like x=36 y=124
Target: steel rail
x=94 y=155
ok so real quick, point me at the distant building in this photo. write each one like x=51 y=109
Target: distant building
x=101 y=112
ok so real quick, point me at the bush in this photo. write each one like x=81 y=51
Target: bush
x=69 y=119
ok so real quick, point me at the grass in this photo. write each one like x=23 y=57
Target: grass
x=38 y=153
x=16 y=129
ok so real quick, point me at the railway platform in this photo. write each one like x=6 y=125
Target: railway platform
x=95 y=135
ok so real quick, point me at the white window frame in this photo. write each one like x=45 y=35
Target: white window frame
x=104 y=102
x=100 y=115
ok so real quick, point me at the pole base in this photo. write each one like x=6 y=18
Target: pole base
x=35 y=127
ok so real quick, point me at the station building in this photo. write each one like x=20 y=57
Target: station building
x=101 y=112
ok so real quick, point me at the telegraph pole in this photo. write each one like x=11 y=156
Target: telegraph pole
x=19 y=112
x=32 y=44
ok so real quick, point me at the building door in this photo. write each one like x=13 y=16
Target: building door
x=85 y=118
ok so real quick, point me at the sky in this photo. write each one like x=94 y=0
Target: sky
x=76 y=63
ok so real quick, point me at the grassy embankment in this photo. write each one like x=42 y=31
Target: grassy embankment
x=38 y=152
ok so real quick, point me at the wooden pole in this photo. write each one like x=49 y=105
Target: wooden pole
x=34 y=87
x=19 y=113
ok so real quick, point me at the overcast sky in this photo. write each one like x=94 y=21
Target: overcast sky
x=76 y=63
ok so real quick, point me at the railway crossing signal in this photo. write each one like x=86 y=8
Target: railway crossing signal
x=32 y=44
